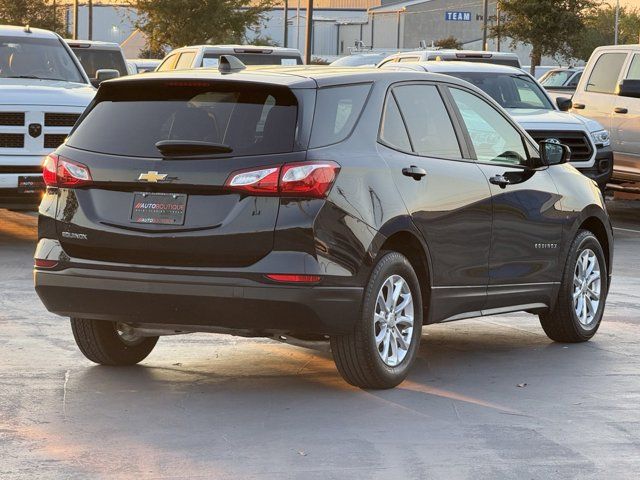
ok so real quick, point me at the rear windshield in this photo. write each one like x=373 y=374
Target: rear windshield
x=93 y=60
x=129 y=120
x=210 y=60
x=38 y=58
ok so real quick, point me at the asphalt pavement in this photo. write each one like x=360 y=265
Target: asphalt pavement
x=488 y=398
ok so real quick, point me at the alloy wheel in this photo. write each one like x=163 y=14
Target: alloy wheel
x=587 y=285
x=393 y=320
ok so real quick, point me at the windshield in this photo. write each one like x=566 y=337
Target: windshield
x=210 y=60
x=248 y=120
x=39 y=58
x=509 y=90
x=556 y=78
x=93 y=60
x=359 y=60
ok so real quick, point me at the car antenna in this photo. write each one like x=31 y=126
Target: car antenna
x=230 y=64
x=27 y=28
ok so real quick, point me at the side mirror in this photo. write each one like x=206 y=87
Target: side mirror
x=105 y=74
x=564 y=104
x=553 y=152
x=629 y=88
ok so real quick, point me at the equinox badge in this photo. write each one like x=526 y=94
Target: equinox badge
x=153 y=177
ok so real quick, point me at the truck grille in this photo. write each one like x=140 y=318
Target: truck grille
x=12 y=118
x=11 y=140
x=578 y=142
x=52 y=140
x=60 y=119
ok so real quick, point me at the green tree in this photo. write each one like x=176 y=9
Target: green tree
x=548 y=26
x=599 y=30
x=176 y=23
x=35 y=13
x=449 y=42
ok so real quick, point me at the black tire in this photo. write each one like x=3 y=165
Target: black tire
x=562 y=324
x=101 y=343
x=356 y=355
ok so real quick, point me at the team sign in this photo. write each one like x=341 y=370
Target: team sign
x=457 y=16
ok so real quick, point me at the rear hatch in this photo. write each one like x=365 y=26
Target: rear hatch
x=166 y=203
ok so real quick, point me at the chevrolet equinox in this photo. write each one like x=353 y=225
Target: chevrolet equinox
x=306 y=204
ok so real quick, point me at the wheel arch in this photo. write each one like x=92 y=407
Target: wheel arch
x=596 y=226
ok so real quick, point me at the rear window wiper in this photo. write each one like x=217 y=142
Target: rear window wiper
x=186 y=148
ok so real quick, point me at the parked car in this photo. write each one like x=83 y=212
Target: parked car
x=142 y=65
x=414 y=56
x=561 y=82
x=101 y=60
x=609 y=92
x=369 y=59
x=308 y=204
x=43 y=91
x=207 y=56
x=527 y=102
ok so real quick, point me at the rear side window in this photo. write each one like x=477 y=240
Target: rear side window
x=337 y=111
x=129 y=120
x=392 y=131
x=169 y=63
x=185 y=60
x=605 y=73
x=634 y=68
x=429 y=125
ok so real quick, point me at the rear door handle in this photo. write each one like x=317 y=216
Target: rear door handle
x=621 y=110
x=499 y=180
x=414 y=172
x=579 y=106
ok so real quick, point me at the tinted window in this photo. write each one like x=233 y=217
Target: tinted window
x=604 y=76
x=210 y=60
x=509 y=90
x=428 y=122
x=634 y=69
x=575 y=80
x=185 y=60
x=392 y=129
x=337 y=110
x=44 y=58
x=93 y=60
x=129 y=121
x=494 y=139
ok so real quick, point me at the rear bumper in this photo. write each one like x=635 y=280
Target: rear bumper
x=199 y=301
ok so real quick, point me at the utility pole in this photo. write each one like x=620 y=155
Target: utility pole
x=75 y=19
x=298 y=27
x=286 y=23
x=485 y=14
x=498 y=26
x=309 y=34
x=615 y=34
x=90 y=28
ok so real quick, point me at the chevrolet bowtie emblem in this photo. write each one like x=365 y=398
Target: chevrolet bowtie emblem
x=153 y=177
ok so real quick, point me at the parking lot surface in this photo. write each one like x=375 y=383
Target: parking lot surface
x=487 y=398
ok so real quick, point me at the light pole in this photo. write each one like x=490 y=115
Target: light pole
x=286 y=23
x=309 y=33
x=485 y=14
x=90 y=20
x=75 y=19
x=615 y=34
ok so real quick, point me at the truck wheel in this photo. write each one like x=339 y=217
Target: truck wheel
x=384 y=343
x=583 y=292
x=102 y=342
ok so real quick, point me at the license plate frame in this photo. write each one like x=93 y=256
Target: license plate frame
x=29 y=184
x=159 y=208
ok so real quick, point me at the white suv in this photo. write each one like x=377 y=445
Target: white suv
x=44 y=90
x=207 y=56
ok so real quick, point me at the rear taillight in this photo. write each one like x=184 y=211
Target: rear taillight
x=306 y=180
x=40 y=263
x=58 y=171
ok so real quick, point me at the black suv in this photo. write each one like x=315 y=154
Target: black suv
x=304 y=204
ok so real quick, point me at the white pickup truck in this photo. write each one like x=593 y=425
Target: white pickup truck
x=43 y=91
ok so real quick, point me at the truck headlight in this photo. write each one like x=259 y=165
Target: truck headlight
x=601 y=138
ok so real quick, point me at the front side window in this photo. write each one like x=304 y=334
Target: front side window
x=37 y=58
x=337 y=110
x=605 y=73
x=494 y=139
x=430 y=128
